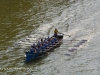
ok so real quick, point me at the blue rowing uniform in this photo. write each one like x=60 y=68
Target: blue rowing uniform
x=52 y=41
x=49 y=43
x=55 y=39
x=38 y=44
x=38 y=49
x=45 y=45
x=33 y=46
x=42 y=47
x=31 y=50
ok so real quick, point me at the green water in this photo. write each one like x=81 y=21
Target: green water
x=13 y=21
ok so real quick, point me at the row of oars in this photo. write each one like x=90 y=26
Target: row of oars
x=75 y=46
x=29 y=40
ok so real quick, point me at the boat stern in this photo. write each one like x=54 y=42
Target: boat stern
x=29 y=56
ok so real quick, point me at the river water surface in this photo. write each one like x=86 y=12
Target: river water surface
x=23 y=22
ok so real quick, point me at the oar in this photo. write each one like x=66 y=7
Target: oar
x=65 y=34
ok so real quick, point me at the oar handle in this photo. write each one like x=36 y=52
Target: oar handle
x=65 y=34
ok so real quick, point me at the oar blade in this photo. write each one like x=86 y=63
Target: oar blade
x=72 y=50
x=67 y=54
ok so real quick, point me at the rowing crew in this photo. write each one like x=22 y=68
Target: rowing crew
x=43 y=45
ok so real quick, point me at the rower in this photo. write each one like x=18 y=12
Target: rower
x=39 y=44
x=49 y=44
x=42 y=47
x=32 y=50
x=45 y=45
x=33 y=46
x=52 y=41
x=48 y=39
x=38 y=49
x=45 y=40
x=55 y=39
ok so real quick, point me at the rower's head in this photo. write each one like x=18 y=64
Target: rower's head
x=33 y=44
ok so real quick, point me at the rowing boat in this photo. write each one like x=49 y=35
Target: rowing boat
x=30 y=56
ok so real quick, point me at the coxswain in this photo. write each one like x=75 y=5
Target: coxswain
x=56 y=32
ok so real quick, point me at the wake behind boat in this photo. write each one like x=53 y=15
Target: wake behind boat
x=42 y=47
